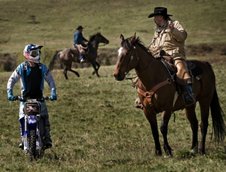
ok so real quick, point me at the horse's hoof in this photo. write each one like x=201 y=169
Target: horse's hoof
x=158 y=152
x=168 y=150
x=202 y=152
x=169 y=153
x=194 y=151
x=168 y=156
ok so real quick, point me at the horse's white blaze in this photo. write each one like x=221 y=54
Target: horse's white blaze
x=120 y=51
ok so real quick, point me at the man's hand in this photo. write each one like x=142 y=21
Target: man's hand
x=171 y=25
x=10 y=95
x=53 y=95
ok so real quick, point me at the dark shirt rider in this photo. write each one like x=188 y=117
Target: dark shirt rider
x=80 y=42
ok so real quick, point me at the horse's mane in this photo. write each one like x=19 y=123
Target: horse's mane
x=129 y=42
x=141 y=44
x=92 y=37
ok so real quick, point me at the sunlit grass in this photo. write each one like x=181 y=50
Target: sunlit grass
x=96 y=127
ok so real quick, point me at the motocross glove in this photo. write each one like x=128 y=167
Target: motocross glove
x=53 y=95
x=10 y=95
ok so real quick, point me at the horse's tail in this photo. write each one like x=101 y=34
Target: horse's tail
x=217 y=114
x=52 y=61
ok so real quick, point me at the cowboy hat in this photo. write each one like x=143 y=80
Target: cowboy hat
x=79 y=27
x=162 y=11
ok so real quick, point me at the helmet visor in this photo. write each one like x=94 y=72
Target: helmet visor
x=35 y=53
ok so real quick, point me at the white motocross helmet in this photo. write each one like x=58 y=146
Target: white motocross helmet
x=32 y=53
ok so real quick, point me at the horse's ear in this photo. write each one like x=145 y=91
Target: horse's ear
x=133 y=39
x=134 y=35
x=122 y=37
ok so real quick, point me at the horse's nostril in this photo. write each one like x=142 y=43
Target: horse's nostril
x=118 y=77
x=115 y=74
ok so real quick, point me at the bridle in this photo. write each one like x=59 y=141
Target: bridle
x=146 y=94
x=101 y=39
x=130 y=54
x=133 y=54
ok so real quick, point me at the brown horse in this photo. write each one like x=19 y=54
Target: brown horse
x=69 y=55
x=159 y=93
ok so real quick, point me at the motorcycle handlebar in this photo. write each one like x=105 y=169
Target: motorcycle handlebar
x=22 y=99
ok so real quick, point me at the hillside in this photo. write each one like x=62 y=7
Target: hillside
x=52 y=23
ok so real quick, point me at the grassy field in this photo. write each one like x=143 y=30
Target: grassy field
x=95 y=127
x=52 y=23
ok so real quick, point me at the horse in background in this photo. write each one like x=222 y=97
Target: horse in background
x=159 y=93
x=69 y=55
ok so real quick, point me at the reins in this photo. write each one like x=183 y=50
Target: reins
x=149 y=94
x=102 y=44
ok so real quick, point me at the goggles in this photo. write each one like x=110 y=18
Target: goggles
x=35 y=53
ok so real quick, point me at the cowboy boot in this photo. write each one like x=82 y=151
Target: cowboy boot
x=186 y=81
x=188 y=95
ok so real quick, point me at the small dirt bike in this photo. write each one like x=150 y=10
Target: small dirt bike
x=32 y=140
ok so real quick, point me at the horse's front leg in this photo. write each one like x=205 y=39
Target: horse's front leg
x=65 y=73
x=96 y=67
x=151 y=116
x=75 y=72
x=164 y=130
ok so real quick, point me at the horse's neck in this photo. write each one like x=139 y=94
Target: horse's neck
x=150 y=70
x=92 y=50
x=93 y=45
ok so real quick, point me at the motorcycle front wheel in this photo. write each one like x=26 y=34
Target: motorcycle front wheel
x=32 y=145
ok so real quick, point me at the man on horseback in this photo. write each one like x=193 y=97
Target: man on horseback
x=32 y=74
x=169 y=37
x=80 y=42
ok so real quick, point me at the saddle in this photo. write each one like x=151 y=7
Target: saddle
x=82 y=51
x=81 y=48
x=168 y=62
x=193 y=69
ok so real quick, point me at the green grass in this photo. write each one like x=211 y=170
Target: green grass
x=56 y=20
x=95 y=127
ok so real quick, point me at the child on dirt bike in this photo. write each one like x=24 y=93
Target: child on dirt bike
x=32 y=74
